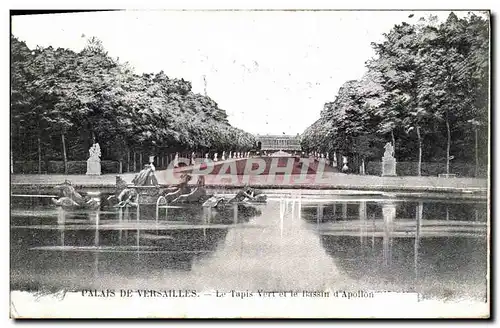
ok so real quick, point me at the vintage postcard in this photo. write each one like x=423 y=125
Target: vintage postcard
x=250 y=164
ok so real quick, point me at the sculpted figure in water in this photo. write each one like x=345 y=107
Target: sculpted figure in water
x=249 y=194
x=198 y=195
x=182 y=188
x=71 y=199
x=123 y=196
x=146 y=177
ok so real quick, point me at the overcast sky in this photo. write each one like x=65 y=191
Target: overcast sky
x=271 y=71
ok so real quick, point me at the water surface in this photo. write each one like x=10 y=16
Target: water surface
x=325 y=241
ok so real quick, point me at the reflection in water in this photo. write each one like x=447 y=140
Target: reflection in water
x=273 y=252
x=94 y=245
x=389 y=213
x=418 y=227
x=421 y=250
x=316 y=242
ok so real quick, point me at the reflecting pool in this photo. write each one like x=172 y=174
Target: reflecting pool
x=336 y=240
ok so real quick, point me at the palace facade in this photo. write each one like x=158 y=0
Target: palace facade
x=279 y=142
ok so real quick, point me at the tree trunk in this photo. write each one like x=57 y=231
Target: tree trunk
x=12 y=162
x=135 y=165
x=64 y=154
x=477 y=154
x=140 y=161
x=121 y=167
x=128 y=160
x=448 y=146
x=39 y=156
x=419 y=168
x=393 y=143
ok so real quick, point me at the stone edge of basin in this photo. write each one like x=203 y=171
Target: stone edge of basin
x=382 y=188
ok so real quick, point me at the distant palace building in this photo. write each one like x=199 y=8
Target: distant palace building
x=279 y=142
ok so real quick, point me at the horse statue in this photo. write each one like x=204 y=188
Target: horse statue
x=247 y=195
x=198 y=195
x=70 y=199
x=182 y=188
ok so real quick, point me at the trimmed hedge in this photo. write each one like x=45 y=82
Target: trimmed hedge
x=74 y=167
x=428 y=169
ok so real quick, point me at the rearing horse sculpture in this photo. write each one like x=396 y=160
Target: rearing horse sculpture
x=71 y=199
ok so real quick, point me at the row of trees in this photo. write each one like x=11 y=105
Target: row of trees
x=63 y=101
x=426 y=91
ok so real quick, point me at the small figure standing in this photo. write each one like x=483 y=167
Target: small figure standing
x=176 y=160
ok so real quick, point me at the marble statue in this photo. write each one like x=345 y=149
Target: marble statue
x=389 y=150
x=223 y=155
x=215 y=157
x=388 y=161
x=94 y=161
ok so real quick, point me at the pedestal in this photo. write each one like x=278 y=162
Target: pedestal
x=93 y=167
x=388 y=166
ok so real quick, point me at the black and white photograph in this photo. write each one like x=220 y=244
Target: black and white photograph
x=282 y=163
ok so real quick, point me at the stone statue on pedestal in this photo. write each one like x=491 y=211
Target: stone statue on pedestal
x=94 y=161
x=388 y=161
x=223 y=155
x=345 y=168
x=215 y=157
x=193 y=156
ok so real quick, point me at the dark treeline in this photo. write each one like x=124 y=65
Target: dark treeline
x=426 y=91
x=63 y=101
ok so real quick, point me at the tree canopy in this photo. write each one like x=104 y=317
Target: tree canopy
x=89 y=97
x=426 y=90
